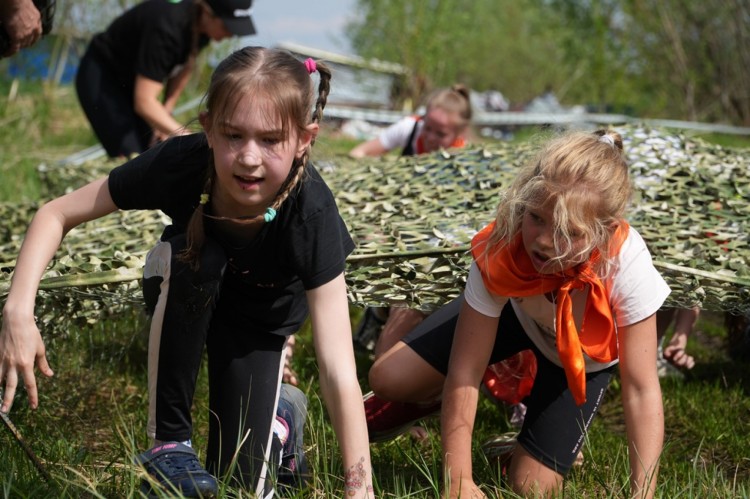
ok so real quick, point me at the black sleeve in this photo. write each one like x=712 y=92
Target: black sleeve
x=167 y=177
x=320 y=244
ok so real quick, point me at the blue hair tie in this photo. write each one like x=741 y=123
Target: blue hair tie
x=269 y=215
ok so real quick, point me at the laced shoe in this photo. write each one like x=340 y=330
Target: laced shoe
x=387 y=420
x=368 y=330
x=288 y=427
x=174 y=467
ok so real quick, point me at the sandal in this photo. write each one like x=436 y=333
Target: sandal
x=174 y=467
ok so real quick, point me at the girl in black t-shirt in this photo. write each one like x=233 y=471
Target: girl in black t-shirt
x=148 y=51
x=255 y=240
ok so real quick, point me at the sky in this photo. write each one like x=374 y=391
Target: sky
x=314 y=23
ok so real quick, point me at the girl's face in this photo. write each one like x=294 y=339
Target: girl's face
x=440 y=130
x=212 y=26
x=251 y=156
x=537 y=232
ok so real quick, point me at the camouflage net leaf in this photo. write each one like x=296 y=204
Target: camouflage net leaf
x=413 y=219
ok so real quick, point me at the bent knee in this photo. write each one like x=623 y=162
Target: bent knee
x=529 y=476
x=384 y=380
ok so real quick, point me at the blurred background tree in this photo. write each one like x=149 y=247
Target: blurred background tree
x=682 y=59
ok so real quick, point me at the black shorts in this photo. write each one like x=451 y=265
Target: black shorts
x=554 y=427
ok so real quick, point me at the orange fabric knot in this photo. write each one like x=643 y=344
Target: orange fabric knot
x=509 y=272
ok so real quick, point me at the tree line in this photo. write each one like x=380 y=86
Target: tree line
x=680 y=59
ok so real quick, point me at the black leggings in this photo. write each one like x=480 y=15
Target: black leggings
x=244 y=366
x=108 y=104
x=554 y=427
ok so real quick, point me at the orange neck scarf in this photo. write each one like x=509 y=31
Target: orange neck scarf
x=509 y=272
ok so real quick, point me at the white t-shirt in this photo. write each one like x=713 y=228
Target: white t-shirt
x=396 y=135
x=634 y=287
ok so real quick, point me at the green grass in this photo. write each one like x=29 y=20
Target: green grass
x=92 y=415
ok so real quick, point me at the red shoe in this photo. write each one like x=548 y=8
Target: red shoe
x=387 y=420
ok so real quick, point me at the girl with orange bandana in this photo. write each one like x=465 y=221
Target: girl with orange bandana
x=559 y=271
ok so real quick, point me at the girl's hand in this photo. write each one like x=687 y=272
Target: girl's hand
x=675 y=352
x=21 y=348
x=466 y=489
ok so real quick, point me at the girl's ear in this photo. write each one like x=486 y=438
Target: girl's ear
x=206 y=124
x=306 y=138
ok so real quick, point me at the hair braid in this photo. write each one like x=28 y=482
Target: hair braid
x=196 y=234
x=324 y=87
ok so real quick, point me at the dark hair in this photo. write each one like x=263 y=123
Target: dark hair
x=272 y=74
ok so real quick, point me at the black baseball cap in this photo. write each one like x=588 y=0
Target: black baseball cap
x=235 y=14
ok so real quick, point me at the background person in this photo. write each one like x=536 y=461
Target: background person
x=148 y=51
x=444 y=125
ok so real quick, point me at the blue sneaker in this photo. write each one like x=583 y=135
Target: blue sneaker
x=174 y=467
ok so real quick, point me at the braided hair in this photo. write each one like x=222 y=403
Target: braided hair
x=284 y=80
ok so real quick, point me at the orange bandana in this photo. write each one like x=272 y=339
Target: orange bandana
x=509 y=272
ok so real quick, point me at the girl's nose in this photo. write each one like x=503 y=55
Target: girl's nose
x=546 y=239
x=249 y=155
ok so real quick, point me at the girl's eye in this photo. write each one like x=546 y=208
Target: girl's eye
x=232 y=136
x=272 y=141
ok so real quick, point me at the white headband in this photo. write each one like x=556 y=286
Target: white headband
x=607 y=139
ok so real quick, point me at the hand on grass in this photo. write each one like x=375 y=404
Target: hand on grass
x=21 y=348
x=464 y=489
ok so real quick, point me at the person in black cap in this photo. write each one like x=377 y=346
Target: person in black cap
x=132 y=74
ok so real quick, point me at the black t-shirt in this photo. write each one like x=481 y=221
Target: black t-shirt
x=304 y=247
x=152 y=39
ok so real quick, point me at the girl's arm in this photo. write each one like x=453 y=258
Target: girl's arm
x=147 y=105
x=21 y=345
x=175 y=86
x=470 y=354
x=332 y=337
x=372 y=147
x=642 y=404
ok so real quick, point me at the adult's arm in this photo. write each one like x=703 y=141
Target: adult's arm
x=332 y=337
x=21 y=345
x=642 y=404
x=147 y=105
x=22 y=22
x=175 y=86
x=470 y=354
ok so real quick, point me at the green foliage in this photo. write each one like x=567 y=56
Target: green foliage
x=652 y=58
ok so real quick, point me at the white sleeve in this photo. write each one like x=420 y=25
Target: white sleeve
x=479 y=298
x=396 y=135
x=636 y=289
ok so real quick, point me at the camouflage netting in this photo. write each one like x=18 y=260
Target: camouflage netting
x=412 y=219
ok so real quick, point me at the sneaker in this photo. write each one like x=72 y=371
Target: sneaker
x=498 y=450
x=174 y=467
x=288 y=428
x=387 y=420
x=368 y=330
